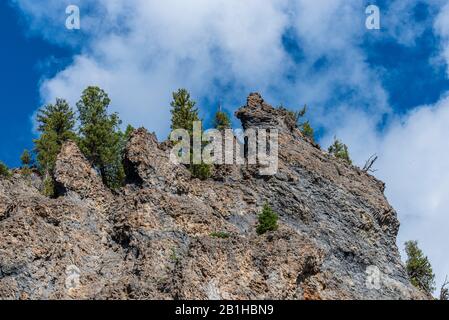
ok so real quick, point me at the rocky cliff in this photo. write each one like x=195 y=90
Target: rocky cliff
x=153 y=239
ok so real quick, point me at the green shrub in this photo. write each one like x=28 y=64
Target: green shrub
x=268 y=220
x=26 y=172
x=220 y=234
x=307 y=130
x=4 y=170
x=201 y=171
x=295 y=118
x=25 y=158
x=340 y=150
x=174 y=256
x=48 y=188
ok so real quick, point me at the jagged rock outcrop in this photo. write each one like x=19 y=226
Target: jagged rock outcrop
x=74 y=176
x=153 y=239
x=259 y=114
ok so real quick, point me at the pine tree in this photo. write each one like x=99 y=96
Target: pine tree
x=340 y=150
x=184 y=113
x=307 y=130
x=55 y=124
x=268 y=220
x=305 y=127
x=25 y=158
x=222 y=121
x=4 y=170
x=100 y=137
x=418 y=268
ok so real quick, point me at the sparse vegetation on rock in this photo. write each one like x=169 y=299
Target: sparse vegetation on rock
x=4 y=170
x=56 y=124
x=201 y=171
x=304 y=126
x=184 y=113
x=222 y=121
x=268 y=220
x=100 y=136
x=418 y=268
x=340 y=150
x=220 y=234
x=26 y=159
x=48 y=187
x=307 y=130
x=160 y=236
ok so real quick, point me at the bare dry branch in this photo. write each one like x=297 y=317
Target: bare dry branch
x=369 y=163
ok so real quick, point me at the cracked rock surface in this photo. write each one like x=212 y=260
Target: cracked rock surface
x=152 y=239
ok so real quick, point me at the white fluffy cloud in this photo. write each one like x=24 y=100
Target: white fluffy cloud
x=161 y=47
x=442 y=28
x=141 y=50
x=414 y=164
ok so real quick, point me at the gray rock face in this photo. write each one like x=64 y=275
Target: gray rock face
x=152 y=239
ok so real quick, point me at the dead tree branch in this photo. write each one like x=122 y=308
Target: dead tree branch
x=369 y=164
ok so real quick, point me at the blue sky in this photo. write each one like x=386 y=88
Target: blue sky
x=24 y=60
x=28 y=57
x=381 y=91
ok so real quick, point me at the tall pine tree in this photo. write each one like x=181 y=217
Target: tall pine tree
x=55 y=123
x=100 y=136
x=184 y=113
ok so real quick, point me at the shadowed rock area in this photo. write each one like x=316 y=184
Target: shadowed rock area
x=152 y=239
